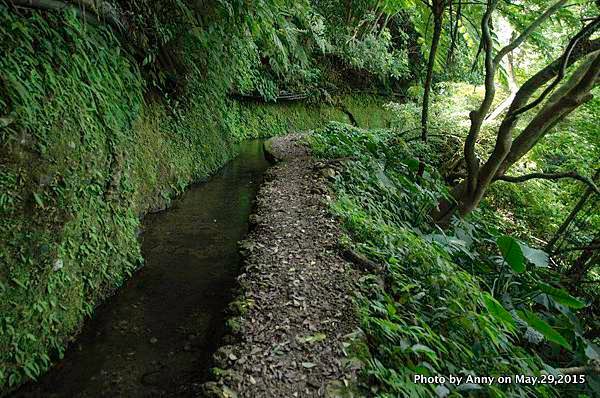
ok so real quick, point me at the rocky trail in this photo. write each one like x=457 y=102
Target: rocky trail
x=294 y=316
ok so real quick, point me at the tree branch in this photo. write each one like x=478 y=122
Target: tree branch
x=564 y=63
x=582 y=49
x=565 y=99
x=577 y=248
x=477 y=116
x=550 y=176
x=528 y=31
x=593 y=369
x=572 y=215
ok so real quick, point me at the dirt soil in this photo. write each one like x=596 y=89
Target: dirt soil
x=295 y=314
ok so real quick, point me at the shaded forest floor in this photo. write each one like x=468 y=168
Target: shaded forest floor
x=295 y=315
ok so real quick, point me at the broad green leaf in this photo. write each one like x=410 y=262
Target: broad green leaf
x=498 y=311
x=412 y=164
x=592 y=351
x=38 y=199
x=423 y=349
x=512 y=253
x=546 y=330
x=561 y=296
x=537 y=257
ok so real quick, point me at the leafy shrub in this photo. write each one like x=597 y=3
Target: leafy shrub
x=470 y=302
x=374 y=53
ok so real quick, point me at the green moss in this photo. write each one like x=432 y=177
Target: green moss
x=368 y=110
x=233 y=326
x=267 y=120
x=85 y=159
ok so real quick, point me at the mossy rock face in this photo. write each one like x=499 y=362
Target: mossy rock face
x=269 y=154
x=86 y=157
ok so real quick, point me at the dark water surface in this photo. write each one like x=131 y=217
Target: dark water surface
x=156 y=335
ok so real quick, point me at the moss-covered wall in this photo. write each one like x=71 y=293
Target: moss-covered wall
x=85 y=157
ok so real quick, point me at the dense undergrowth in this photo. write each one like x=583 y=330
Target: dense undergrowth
x=467 y=301
x=103 y=121
x=89 y=152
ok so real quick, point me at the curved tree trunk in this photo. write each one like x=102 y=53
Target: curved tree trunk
x=568 y=97
x=512 y=87
x=567 y=222
x=584 y=263
x=565 y=99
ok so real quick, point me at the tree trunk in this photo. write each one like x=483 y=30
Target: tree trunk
x=457 y=19
x=572 y=94
x=437 y=10
x=567 y=222
x=588 y=259
x=512 y=87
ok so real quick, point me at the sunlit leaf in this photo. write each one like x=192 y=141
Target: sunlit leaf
x=498 y=311
x=537 y=257
x=512 y=253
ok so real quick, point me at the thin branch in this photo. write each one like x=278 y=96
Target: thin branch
x=577 y=248
x=593 y=369
x=576 y=209
x=564 y=63
x=550 y=176
x=454 y=34
x=528 y=31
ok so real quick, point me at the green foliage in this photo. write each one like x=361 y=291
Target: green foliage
x=87 y=156
x=374 y=53
x=512 y=253
x=65 y=243
x=447 y=303
x=541 y=326
x=367 y=36
x=498 y=311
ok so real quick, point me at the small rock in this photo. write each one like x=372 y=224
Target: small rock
x=58 y=264
x=153 y=340
x=328 y=172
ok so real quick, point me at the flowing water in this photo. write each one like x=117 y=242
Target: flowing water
x=156 y=335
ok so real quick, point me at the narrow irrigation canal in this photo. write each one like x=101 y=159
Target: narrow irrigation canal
x=156 y=335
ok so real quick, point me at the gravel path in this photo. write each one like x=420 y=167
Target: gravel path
x=295 y=313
